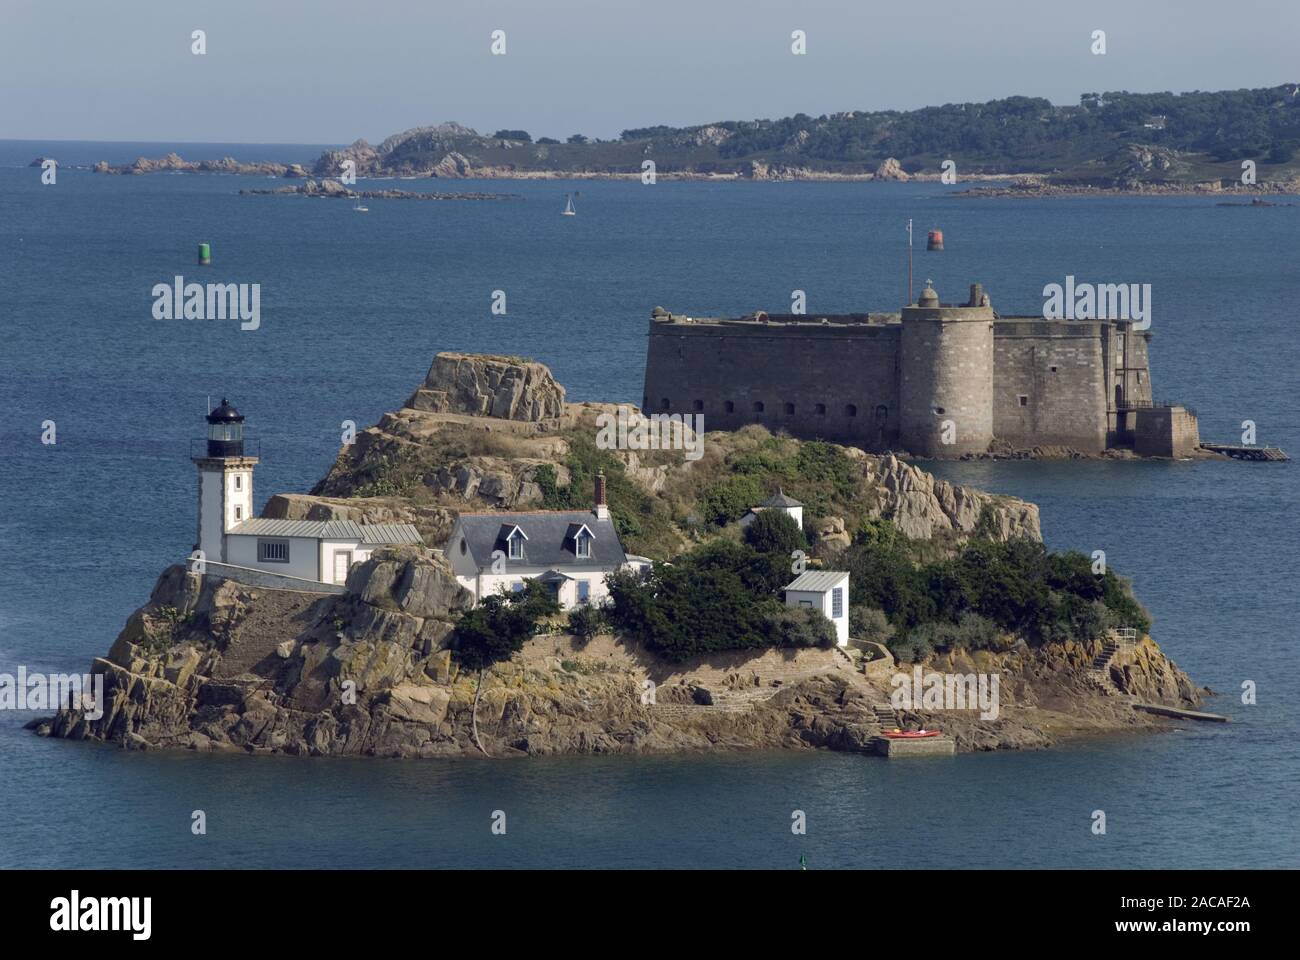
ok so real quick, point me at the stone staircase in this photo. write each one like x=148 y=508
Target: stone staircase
x=885 y=716
x=1098 y=673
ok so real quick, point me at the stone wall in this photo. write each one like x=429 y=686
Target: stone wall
x=834 y=381
x=1050 y=384
x=1166 y=432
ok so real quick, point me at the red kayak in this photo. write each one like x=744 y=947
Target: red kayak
x=910 y=734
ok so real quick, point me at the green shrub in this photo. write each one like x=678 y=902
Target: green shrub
x=586 y=621
x=498 y=627
x=730 y=499
x=869 y=624
x=800 y=627
x=774 y=531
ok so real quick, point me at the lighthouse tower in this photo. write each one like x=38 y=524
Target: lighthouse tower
x=225 y=481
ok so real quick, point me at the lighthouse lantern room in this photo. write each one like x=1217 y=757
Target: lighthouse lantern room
x=225 y=481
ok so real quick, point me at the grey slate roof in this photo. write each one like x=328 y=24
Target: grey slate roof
x=779 y=499
x=376 y=533
x=548 y=538
x=816 y=581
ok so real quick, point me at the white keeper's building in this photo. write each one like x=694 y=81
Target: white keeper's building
x=228 y=533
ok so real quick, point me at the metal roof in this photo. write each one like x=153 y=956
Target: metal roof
x=549 y=538
x=329 y=530
x=817 y=581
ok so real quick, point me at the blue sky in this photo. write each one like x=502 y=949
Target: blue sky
x=329 y=71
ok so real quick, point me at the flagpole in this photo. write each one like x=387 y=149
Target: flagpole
x=909 y=261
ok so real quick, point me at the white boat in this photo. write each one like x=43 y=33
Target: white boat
x=358 y=208
x=568 y=206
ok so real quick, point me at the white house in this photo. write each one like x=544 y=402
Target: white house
x=827 y=591
x=571 y=551
x=229 y=534
x=780 y=502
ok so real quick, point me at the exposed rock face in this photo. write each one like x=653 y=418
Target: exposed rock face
x=485 y=386
x=1045 y=694
x=1142 y=164
x=891 y=169
x=920 y=506
x=452 y=165
x=214 y=665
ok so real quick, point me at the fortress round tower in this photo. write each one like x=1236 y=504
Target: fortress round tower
x=946 y=364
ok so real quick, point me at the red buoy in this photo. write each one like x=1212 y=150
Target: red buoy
x=935 y=240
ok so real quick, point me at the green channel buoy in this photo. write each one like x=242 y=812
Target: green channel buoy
x=205 y=255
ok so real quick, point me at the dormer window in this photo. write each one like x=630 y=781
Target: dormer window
x=516 y=545
x=582 y=546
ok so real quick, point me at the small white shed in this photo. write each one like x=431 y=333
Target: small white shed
x=827 y=591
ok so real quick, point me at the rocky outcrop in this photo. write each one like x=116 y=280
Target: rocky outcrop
x=174 y=163
x=1046 y=694
x=891 y=169
x=478 y=385
x=923 y=507
x=214 y=665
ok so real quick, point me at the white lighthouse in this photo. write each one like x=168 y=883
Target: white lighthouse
x=225 y=481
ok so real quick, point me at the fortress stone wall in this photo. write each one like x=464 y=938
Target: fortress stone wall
x=938 y=380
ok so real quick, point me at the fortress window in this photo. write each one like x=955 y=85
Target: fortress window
x=1052 y=368
x=789 y=409
x=1139 y=376
x=729 y=407
x=939 y=411
x=1024 y=399
x=758 y=406
x=698 y=405
x=882 y=414
x=664 y=404
x=850 y=410
x=821 y=409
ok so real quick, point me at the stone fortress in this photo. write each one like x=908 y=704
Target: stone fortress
x=936 y=380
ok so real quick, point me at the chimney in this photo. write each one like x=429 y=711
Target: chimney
x=601 y=510
x=976 y=294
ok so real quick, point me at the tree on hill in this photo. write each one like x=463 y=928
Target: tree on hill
x=513 y=135
x=497 y=629
x=774 y=531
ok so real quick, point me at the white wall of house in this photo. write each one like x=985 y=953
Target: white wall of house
x=824 y=600
x=485 y=584
x=304 y=556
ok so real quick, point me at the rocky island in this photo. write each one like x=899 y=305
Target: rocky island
x=946 y=580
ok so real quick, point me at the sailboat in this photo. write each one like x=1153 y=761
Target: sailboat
x=357 y=207
x=568 y=206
